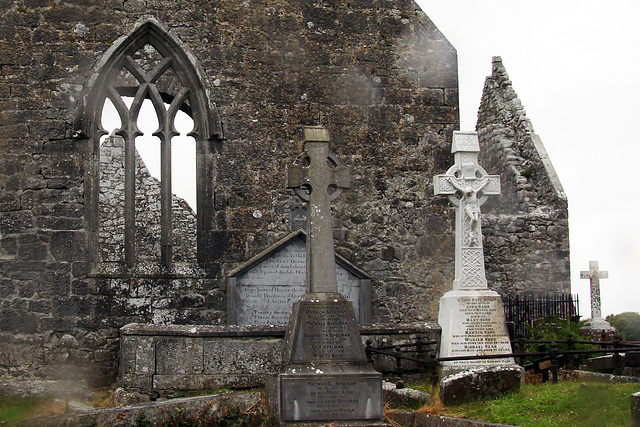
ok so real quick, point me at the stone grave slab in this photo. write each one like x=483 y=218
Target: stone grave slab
x=330 y=397
x=474 y=325
x=262 y=290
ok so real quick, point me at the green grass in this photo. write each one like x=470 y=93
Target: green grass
x=13 y=409
x=562 y=404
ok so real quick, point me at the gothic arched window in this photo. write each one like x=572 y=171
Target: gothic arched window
x=149 y=65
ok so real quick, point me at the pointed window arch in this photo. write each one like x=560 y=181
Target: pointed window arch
x=150 y=64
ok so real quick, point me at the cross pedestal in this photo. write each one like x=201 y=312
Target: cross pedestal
x=326 y=375
x=596 y=323
x=471 y=316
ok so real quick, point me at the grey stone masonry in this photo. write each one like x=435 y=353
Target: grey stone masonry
x=526 y=228
x=167 y=359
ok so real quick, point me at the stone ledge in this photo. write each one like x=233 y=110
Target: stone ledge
x=599 y=377
x=415 y=419
x=263 y=330
x=398 y=397
x=202 y=330
x=156 y=413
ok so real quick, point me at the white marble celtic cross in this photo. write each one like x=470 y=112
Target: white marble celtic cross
x=317 y=178
x=467 y=185
x=594 y=275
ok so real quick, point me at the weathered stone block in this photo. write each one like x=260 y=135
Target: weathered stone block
x=482 y=383
x=68 y=245
x=241 y=356
x=632 y=359
x=601 y=364
x=403 y=397
x=191 y=360
x=15 y=222
x=18 y=321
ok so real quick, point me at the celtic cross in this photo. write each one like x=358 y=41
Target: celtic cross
x=318 y=177
x=467 y=186
x=594 y=275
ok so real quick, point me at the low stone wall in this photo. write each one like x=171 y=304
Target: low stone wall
x=203 y=408
x=166 y=359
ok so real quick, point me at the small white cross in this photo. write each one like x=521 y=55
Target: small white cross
x=594 y=275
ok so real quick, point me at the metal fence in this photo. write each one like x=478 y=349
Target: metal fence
x=419 y=357
x=523 y=311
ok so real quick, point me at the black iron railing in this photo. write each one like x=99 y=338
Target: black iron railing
x=548 y=360
x=522 y=311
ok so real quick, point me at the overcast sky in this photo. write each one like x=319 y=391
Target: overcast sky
x=575 y=67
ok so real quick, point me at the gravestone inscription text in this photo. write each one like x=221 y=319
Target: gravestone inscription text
x=478 y=329
x=330 y=397
x=266 y=292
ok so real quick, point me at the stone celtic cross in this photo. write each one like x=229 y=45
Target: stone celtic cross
x=467 y=186
x=318 y=177
x=594 y=275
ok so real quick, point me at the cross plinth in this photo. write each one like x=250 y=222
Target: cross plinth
x=318 y=177
x=467 y=186
x=594 y=275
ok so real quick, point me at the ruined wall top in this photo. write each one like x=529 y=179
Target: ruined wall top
x=511 y=146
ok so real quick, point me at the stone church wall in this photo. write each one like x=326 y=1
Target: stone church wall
x=527 y=227
x=378 y=74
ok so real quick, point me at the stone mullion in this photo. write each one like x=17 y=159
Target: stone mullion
x=164 y=133
x=130 y=176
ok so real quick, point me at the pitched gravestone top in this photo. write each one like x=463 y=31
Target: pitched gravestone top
x=262 y=290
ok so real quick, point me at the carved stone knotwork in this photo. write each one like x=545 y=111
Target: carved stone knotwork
x=467 y=185
x=318 y=177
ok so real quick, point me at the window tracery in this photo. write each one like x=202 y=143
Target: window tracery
x=150 y=65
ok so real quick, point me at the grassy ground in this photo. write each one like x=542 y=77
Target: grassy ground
x=563 y=404
x=13 y=409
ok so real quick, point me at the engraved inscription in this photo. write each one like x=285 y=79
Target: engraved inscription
x=479 y=331
x=266 y=293
x=331 y=398
x=326 y=331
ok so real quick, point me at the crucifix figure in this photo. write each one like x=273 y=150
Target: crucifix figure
x=594 y=275
x=467 y=186
x=318 y=177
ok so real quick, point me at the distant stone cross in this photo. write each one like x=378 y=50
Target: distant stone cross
x=317 y=183
x=467 y=185
x=594 y=275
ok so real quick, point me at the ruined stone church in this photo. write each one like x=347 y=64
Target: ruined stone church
x=90 y=242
